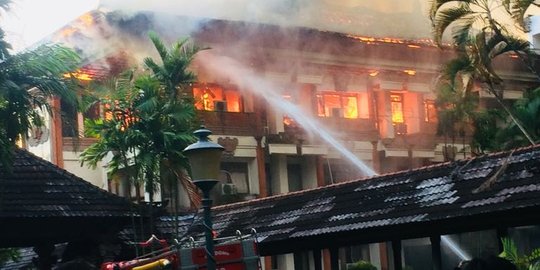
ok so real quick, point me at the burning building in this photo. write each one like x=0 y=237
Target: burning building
x=295 y=108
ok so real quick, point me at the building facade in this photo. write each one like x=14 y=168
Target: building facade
x=294 y=108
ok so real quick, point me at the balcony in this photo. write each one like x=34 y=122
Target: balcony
x=230 y=123
x=352 y=129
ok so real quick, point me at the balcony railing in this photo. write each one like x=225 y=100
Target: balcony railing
x=230 y=123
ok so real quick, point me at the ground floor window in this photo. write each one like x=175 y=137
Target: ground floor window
x=465 y=246
x=417 y=254
x=526 y=238
x=234 y=182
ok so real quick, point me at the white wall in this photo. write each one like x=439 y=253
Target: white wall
x=95 y=176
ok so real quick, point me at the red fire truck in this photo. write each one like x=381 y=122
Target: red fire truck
x=232 y=253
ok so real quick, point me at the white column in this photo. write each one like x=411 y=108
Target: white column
x=309 y=172
x=286 y=262
x=374 y=255
x=253 y=176
x=280 y=181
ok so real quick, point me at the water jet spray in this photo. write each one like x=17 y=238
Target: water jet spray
x=248 y=81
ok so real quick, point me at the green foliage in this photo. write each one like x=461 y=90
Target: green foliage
x=8 y=254
x=486 y=127
x=147 y=124
x=27 y=80
x=361 y=265
x=527 y=110
x=521 y=261
x=479 y=38
x=456 y=103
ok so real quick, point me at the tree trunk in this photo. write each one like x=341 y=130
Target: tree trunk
x=150 y=190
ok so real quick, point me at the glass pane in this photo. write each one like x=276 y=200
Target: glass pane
x=527 y=238
x=459 y=247
x=233 y=101
x=430 y=111
x=206 y=97
x=350 y=107
x=397 y=108
x=332 y=105
x=417 y=254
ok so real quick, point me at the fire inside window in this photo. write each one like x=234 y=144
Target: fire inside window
x=430 y=111
x=396 y=103
x=215 y=98
x=335 y=104
x=287 y=120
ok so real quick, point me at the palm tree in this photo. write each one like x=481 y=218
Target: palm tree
x=455 y=101
x=173 y=73
x=517 y=9
x=150 y=124
x=175 y=80
x=479 y=38
x=116 y=95
x=27 y=81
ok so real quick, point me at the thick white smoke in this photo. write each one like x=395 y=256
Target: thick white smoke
x=405 y=19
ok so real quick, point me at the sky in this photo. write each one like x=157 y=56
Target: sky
x=28 y=21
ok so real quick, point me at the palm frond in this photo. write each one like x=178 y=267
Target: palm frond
x=517 y=9
x=158 y=44
x=445 y=17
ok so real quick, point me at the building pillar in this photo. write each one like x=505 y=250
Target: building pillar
x=396 y=254
x=263 y=190
x=267 y=263
x=334 y=258
x=285 y=261
x=309 y=172
x=320 y=171
x=436 y=252
x=327 y=265
x=56 y=133
x=317 y=259
x=375 y=157
x=375 y=255
x=383 y=251
x=280 y=182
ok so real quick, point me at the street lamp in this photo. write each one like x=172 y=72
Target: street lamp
x=205 y=157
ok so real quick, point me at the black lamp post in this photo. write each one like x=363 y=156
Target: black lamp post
x=205 y=157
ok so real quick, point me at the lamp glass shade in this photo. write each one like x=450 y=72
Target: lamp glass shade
x=205 y=163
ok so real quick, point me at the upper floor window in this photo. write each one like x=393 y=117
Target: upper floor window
x=342 y=104
x=216 y=98
x=430 y=111
x=396 y=104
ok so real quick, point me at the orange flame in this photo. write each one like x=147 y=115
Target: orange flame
x=79 y=75
x=410 y=72
x=87 y=19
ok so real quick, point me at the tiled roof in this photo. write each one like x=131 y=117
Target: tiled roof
x=470 y=191
x=38 y=188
